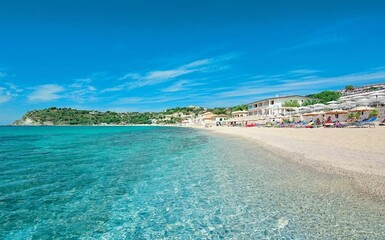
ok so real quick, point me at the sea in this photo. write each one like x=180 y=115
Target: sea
x=169 y=183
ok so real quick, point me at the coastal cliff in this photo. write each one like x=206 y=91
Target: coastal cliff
x=31 y=122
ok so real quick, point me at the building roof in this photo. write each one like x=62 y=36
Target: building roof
x=268 y=99
x=235 y=112
x=206 y=113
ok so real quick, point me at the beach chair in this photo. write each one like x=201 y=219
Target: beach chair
x=382 y=123
x=310 y=125
x=338 y=124
x=367 y=122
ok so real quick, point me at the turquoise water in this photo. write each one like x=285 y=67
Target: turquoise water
x=163 y=182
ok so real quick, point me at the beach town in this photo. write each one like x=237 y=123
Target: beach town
x=362 y=107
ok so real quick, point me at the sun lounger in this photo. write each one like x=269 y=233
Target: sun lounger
x=367 y=122
x=340 y=124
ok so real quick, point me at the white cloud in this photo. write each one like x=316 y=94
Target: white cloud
x=167 y=74
x=130 y=75
x=8 y=91
x=82 y=91
x=44 y=93
x=5 y=95
x=303 y=71
x=286 y=82
x=135 y=80
x=114 y=89
x=181 y=86
x=159 y=76
x=176 y=87
x=129 y=100
x=2 y=75
x=153 y=100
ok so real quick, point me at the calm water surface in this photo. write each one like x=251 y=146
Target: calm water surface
x=175 y=183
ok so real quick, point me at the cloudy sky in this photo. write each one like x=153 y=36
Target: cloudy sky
x=152 y=55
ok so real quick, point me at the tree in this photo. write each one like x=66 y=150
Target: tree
x=349 y=88
x=374 y=113
x=326 y=96
x=239 y=108
x=293 y=103
x=308 y=102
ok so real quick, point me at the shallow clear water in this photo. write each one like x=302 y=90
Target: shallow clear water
x=161 y=182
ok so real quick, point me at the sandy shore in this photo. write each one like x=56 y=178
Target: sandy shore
x=357 y=153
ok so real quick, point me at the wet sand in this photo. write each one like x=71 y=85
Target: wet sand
x=356 y=153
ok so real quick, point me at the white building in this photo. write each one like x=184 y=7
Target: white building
x=238 y=114
x=273 y=106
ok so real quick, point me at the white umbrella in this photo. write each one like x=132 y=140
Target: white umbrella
x=319 y=105
x=331 y=102
x=348 y=104
x=332 y=106
x=361 y=109
x=378 y=94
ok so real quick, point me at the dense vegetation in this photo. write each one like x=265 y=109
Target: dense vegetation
x=69 y=116
x=294 y=103
x=322 y=97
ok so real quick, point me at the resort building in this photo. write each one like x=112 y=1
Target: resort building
x=273 y=106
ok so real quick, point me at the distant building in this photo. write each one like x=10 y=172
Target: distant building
x=219 y=118
x=237 y=114
x=205 y=118
x=273 y=106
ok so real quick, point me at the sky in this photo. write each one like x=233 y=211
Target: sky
x=149 y=55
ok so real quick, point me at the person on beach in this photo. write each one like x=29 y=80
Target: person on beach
x=329 y=120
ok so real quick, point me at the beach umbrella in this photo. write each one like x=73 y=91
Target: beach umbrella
x=361 y=109
x=378 y=94
x=348 y=105
x=332 y=102
x=319 y=106
x=311 y=114
x=303 y=109
x=336 y=111
x=363 y=101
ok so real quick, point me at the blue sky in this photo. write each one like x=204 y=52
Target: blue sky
x=153 y=55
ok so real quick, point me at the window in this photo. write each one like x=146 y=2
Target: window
x=272 y=102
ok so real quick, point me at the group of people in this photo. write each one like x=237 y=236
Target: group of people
x=323 y=122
